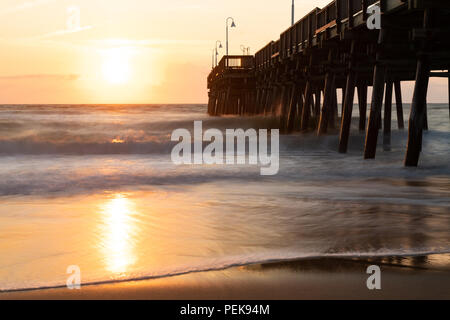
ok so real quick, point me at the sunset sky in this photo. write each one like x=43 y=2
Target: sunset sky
x=134 y=51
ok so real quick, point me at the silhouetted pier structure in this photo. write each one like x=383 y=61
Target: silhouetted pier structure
x=297 y=76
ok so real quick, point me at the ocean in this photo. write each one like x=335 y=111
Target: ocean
x=94 y=186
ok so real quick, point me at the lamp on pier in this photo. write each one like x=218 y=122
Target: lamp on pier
x=233 y=25
x=245 y=50
x=218 y=42
x=293 y=13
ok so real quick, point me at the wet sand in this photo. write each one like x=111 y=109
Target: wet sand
x=401 y=278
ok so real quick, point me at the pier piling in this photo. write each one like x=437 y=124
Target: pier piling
x=377 y=102
x=399 y=105
x=417 y=117
x=387 y=115
x=347 y=109
x=329 y=90
x=362 y=101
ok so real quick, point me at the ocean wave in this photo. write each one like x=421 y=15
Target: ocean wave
x=64 y=184
x=154 y=138
x=247 y=261
x=96 y=138
x=116 y=147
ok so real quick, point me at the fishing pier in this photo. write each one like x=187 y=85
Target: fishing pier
x=296 y=77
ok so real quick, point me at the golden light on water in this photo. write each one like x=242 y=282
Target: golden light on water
x=118 y=233
x=117 y=140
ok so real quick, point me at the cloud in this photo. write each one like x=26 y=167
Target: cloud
x=66 y=77
x=36 y=3
x=24 y=6
x=63 y=32
x=148 y=42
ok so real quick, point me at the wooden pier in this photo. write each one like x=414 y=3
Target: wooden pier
x=297 y=76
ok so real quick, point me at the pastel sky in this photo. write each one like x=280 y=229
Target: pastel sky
x=134 y=51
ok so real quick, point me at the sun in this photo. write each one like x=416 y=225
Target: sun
x=116 y=65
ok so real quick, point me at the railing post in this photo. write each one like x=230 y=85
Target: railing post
x=364 y=9
x=350 y=14
x=309 y=31
x=338 y=15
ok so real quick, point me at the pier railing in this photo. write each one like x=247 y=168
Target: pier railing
x=303 y=34
x=231 y=64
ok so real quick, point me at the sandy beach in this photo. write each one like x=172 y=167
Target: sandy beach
x=402 y=278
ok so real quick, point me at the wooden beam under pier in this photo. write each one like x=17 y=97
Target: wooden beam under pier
x=419 y=103
x=295 y=96
x=417 y=117
x=306 y=112
x=399 y=105
x=387 y=115
x=347 y=109
x=370 y=148
x=362 y=101
x=329 y=88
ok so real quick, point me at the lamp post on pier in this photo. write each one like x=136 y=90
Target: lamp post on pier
x=245 y=50
x=233 y=25
x=218 y=42
x=293 y=13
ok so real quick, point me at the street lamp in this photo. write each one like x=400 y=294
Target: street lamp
x=245 y=50
x=293 y=12
x=218 y=42
x=233 y=25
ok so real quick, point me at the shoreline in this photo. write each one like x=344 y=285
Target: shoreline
x=418 y=277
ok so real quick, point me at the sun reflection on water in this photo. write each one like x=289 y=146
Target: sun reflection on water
x=118 y=233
